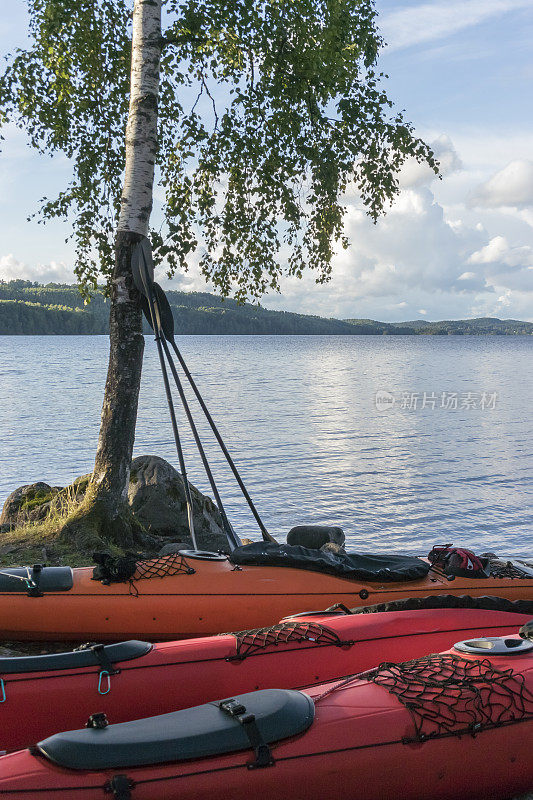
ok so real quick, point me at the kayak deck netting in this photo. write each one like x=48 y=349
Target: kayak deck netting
x=161 y=567
x=451 y=696
x=252 y=641
x=166 y=566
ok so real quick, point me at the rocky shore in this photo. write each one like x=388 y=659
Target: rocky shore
x=156 y=497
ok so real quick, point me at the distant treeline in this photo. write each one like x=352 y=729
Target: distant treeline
x=449 y=327
x=30 y=308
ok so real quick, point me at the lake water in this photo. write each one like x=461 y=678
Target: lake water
x=447 y=459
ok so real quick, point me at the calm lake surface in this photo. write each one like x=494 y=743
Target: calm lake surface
x=299 y=415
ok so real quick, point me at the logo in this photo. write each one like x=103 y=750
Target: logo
x=384 y=400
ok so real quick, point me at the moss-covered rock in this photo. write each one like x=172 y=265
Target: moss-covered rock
x=63 y=520
x=28 y=503
x=157 y=498
x=36 y=501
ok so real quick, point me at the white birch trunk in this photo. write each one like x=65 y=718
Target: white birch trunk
x=110 y=478
x=141 y=130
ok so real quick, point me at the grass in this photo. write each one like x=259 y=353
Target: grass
x=41 y=542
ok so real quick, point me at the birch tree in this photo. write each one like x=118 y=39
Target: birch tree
x=258 y=117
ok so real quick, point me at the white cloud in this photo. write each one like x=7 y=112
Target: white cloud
x=483 y=149
x=12 y=268
x=526 y=215
x=413 y=247
x=403 y=264
x=427 y=22
x=511 y=186
x=414 y=173
x=505 y=298
x=423 y=257
x=54 y=272
x=499 y=252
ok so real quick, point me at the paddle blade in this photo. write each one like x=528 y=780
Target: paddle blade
x=146 y=310
x=165 y=313
x=142 y=265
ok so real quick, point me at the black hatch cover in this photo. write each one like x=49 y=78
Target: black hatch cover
x=47 y=579
x=122 y=651
x=197 y=732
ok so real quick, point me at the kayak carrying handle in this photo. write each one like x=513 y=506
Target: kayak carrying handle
x=3 y=697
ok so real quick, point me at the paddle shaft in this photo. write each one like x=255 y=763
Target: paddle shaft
x=233 y=541
x=156 y=325
x=266 y=535
x=159 y=315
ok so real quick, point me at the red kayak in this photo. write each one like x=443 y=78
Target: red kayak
x=43 y=694
x=446 y=726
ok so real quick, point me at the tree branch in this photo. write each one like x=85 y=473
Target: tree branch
x=167 y=40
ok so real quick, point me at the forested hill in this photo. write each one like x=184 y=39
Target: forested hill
x=27 y=308
x=458 y=327
x=30 y=308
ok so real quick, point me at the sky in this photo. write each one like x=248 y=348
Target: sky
x=455 y=248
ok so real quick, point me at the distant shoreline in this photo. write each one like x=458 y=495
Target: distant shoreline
x=28 y=309
x=262 y=333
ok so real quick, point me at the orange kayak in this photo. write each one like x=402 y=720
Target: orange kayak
x=194 y=594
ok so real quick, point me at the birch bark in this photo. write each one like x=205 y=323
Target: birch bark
x=141 y=130
x=108 y=489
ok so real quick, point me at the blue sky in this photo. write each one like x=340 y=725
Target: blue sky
x=460 y=247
